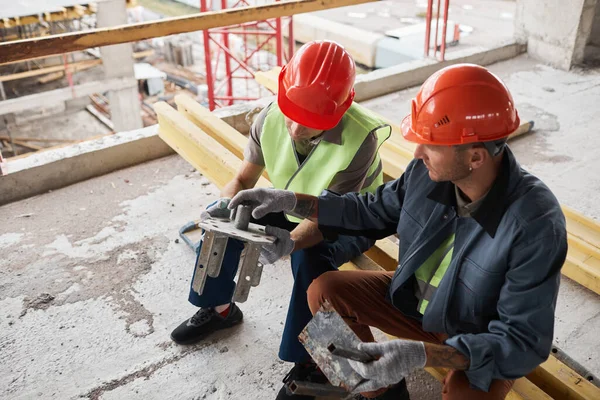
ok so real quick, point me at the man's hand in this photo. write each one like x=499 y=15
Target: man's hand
x=394 y=360
x=282 y=247
x=217 y=210
x=265 y=201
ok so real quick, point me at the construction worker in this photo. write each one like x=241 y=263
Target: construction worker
x=313 y=138
x=481 y=245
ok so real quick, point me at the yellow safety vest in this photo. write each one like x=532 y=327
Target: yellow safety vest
x=326 y=159
x=430 y=274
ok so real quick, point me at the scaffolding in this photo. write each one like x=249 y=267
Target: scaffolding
x=233 y=54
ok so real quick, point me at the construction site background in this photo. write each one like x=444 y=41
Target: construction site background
x=94 y=274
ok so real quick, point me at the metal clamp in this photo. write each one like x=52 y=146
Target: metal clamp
x=217 y=232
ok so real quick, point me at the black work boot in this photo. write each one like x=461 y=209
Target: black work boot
x=205 y=321
x=397 y=392
x=301 y=372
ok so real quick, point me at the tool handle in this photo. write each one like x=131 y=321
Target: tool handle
x=346 y=352
x=303 y=388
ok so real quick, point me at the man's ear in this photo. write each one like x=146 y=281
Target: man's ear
x=478 y=156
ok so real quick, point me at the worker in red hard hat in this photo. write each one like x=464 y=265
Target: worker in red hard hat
x=481 y=245
x=313 y=138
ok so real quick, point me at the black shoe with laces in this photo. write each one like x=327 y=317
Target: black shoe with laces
x=205 y=321
x=397 y=392
x=304 y=373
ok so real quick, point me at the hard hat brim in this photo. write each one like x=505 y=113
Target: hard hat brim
x=409 y=134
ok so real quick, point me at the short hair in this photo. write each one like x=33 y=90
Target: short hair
x=493 y=147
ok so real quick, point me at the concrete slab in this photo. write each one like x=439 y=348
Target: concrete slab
x=58 y=167
x=45 y=99
x=94 y=280
x=490 y=22
x=563 y=152
x=362 y=44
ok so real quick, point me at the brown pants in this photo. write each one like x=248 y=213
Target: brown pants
x=359 y=297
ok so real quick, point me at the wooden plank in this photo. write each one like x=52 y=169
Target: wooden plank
x=582 y=227
x=214 y=126
x=51 y=77
x=198 y=148
x=73 y=67
x=32 y=139
x=58 y=44
x=561 y=382
x=527 y=390
x=28 y=145
x=47 y=70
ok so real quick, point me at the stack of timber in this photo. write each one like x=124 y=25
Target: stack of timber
x=215 y=149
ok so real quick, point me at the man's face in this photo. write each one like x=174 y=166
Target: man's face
x=445 y=163
x=299 y=132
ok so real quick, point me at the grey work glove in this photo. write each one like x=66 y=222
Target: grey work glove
x=394 y=360
x=217 y=210
x=265 y=201
x=282 y=247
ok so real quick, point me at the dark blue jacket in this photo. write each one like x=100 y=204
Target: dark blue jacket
x=498 y=297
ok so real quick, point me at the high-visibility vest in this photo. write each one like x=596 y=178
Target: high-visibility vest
x=430 y=274
x=326 y=159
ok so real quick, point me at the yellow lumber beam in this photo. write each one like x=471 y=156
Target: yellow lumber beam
x=214 y=126
x=58 y=44
x=561 y=382
x=199 y=149
x=582 y=227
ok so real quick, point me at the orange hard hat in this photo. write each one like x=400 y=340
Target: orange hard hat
x=463 y=103
x=316 y=87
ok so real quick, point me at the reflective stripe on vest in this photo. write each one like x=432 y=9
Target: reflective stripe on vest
x=326 y=159
x=430 y=274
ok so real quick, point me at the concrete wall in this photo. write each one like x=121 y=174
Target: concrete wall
x=118 y=62
x=592 y=50
x=58 y=167
x=556 y=31
x=595 y=34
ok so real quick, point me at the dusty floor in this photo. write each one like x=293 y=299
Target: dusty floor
x=92 y=279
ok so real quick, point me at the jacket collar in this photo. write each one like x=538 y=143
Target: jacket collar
x=333 y=135
x=490 y=212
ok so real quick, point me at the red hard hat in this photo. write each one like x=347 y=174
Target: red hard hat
x=317 y=86
x=462 y=103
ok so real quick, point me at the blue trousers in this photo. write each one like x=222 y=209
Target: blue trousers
x=307 y=265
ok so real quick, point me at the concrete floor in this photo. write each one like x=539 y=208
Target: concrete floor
x=92 y=280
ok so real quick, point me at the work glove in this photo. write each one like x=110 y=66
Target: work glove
x=282 y=247
x=394 y=360
x=217 y=210
x=265 y=201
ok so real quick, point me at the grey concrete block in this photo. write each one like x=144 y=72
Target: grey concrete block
x=77 y=104
x=40 y=112
x=392 y=51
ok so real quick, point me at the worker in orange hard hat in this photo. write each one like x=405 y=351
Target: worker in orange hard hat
x=313 y=138
x=481 y=245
